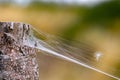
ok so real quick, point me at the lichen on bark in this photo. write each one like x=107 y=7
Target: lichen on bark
x=17 y=61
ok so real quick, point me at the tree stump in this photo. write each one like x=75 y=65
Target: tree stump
x=17 y=61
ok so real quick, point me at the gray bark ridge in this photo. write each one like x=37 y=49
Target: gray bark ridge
x=17 y=61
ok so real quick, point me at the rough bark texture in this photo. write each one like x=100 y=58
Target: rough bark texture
x=17 y=61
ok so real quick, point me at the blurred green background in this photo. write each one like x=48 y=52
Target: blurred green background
x=93 y=22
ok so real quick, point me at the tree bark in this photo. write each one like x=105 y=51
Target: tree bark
x=17 y=61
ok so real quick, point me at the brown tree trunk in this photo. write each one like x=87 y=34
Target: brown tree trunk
x=17 y=61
